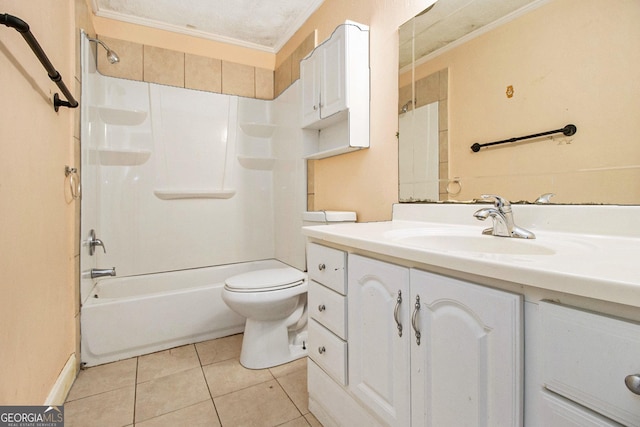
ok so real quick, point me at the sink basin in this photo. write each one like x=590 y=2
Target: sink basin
x=470 y=240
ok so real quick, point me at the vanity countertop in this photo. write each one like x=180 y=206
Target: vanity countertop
x=603 y=265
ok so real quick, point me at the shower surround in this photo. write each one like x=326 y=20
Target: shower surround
x=178 y=179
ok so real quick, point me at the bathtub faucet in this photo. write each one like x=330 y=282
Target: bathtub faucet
x=102 y=272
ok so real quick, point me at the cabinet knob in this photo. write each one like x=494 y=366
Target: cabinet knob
x=633 y=383
x=321 y=307
x=315 y=108
x=321 y=350
x=321 y=267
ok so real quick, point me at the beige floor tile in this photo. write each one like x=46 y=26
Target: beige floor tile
x=113 y=408
x=229 y=376
x=99 y=379
x=263 y=405
x=219 y=349
x=163 y=363
x=312 y=420
x=288 y=368
x=298 y=422
x=170 y=393
x=200 y=415
x=295 y=385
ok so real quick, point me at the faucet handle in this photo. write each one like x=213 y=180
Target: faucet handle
x=499 y=202
x=92 y=241
x=545 y=198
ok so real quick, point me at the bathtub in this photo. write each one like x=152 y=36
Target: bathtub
x=135 y=315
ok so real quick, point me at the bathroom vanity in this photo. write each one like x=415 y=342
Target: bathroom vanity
x=425 y=321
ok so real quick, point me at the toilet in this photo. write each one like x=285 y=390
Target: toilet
x=274 y=302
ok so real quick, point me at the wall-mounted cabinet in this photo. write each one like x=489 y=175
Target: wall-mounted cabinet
x=335 y=93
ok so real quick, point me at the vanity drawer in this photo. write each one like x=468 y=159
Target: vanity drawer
x=329 y=308
x=328 y=351
x=327 y=266
x=586 y=358
x=556 y=411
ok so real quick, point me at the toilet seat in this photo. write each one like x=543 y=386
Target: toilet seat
x=265 y=280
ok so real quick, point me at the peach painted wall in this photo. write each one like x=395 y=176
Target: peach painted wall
x=37 y=251
x=365 y=181
x=569 y=61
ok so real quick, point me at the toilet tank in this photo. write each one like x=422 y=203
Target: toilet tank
x=327 y=217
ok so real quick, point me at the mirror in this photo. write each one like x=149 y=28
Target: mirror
x=501 y=69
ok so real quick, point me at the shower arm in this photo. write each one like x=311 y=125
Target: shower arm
x=23 y=28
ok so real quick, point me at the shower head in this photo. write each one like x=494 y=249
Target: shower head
x=112 y=57
x=405 y=107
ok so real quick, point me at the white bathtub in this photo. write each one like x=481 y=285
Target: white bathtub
x=130 y=316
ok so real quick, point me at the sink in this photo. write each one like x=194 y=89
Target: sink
x=478 y=244
x=470 y=240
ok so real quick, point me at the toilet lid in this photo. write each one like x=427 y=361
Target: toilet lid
x=265 y=280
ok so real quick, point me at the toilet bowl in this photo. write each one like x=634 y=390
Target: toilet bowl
x=274 y=302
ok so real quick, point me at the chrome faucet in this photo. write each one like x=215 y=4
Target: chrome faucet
x=502 y=217
x=93 y=241
x=102 y=272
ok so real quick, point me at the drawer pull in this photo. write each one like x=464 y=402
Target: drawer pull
x=321 y=267
x=321 y=307
x=396 y=313
x=414 y=319
x=321 y=350
x=633 y=383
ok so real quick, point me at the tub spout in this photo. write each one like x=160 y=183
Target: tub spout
x=102 y=272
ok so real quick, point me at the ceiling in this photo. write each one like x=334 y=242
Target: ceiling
x=450 y=20
x=258 y=24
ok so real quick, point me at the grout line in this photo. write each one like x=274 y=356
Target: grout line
x=289 y=397
x=207 y=383
x=135 y=391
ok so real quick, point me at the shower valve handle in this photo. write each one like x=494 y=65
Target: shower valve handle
x=92 y=241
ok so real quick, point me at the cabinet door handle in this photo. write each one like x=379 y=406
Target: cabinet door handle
x=321 y=307
x=321 y=350
x=414 y=319
x=321 y=267
x=396 y=313
x=633 y=383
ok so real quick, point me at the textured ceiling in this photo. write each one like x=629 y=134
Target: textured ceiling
x=449 y=20
x=258 y=24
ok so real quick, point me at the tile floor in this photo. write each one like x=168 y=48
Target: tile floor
x=200 y=384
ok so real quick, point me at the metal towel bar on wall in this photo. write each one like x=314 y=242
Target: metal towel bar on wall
x=23 y=28
x=568 y=130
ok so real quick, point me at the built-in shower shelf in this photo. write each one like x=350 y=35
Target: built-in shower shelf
x=122 y=156
x=258 y=163
x=259 y=130
x=120 y=116
x=185 y=193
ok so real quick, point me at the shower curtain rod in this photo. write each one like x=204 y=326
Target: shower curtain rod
x=23 y=28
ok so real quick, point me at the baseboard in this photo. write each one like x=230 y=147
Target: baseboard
x=63 y=384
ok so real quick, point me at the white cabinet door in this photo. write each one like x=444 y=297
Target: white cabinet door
x=310 y=88
x=378 y=355
x=333 y=95
x=467 y=368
